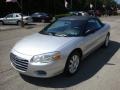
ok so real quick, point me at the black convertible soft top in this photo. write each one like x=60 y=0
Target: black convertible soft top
x=81 y=18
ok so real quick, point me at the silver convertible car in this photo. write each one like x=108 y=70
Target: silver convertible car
x=15 y=18
x=59 y=47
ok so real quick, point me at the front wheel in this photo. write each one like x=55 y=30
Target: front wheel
x=43 y=21
x=19 y=23
x=72 y=64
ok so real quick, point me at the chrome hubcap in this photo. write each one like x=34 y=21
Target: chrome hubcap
x=74 y=63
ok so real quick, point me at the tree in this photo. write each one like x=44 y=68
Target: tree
x=53 y=6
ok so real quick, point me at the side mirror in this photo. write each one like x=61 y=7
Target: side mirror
x=87 y=32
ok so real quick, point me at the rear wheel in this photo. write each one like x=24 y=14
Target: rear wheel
x=1 y=23
x=73 y=63
x=19 y=23
x=107 y=40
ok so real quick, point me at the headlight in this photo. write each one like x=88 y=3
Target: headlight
x=46 y=58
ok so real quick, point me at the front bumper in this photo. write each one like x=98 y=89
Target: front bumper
x=43 y=70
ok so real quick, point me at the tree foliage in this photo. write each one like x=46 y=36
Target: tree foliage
x=53 y=6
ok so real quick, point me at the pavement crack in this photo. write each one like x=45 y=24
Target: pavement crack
x=8 y=80
x=6 y=70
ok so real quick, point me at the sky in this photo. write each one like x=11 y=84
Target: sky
x=118 y=1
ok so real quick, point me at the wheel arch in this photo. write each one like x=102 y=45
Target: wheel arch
x=76 y=50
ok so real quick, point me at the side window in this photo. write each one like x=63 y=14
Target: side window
x=17 y=16
x=93 y=24
x=98 y=24
x=9 y=16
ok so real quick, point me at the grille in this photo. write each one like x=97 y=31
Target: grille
x=19 y=63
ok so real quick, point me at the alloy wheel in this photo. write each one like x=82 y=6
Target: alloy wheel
x=74 y=63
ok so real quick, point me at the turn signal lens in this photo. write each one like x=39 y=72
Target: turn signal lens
x=57 y=56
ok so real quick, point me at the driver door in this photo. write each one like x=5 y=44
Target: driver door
x=91 y=35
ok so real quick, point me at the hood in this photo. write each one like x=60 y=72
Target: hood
x=39 y=44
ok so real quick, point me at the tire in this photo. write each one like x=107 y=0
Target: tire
x=43 y=21
x=1 y=23
x=19 y=23
x=73 y=63
x=107 y=40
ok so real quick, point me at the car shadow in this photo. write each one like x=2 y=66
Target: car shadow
x=89 y=67
x=30 y=25
x=15 y=26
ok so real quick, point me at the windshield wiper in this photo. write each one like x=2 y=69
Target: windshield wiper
x=61 y=35
x=47 y=33
x=51 y=33
x=54 y=34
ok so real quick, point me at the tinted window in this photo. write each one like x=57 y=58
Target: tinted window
x=93 y=24
x=36 y=14
x=42 y=14
x=17 y=16
x=9 y=16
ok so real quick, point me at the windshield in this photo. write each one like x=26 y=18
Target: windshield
x=63 y=28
